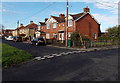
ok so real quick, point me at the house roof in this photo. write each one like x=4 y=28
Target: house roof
x=42 y=23
x=59 y=19
x=20 y=27
x=76 y=16
x=33 y=25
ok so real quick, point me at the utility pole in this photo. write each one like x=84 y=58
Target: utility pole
x=17 y=23
x=66 y=31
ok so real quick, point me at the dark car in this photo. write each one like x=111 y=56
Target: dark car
x=38 y=41
x=17 y=39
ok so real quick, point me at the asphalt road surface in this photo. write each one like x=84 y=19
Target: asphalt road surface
x=99 y=65
x=40 y=50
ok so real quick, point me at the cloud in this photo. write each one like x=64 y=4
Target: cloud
x=109 y=21
x=106 y=19
x=111 y=5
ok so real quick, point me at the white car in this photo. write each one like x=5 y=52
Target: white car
x=9 y=38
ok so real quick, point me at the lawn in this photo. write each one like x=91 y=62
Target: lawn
x=12 y=56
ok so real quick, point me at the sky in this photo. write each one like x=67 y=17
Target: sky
x=104 y=11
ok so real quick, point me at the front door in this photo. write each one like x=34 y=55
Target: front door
x=61 y=36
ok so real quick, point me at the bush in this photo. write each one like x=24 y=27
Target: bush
x=108 y=38
x=11 y=56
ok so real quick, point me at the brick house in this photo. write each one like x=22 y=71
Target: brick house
x=30 y=29
x=39 y=33
x=26 y=31
x=18 y=31
x=84 y=22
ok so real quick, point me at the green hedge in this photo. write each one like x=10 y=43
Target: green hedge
x=108 y=38
x=11 y=56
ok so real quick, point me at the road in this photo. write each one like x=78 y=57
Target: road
x=99 y=65
x=36 y=50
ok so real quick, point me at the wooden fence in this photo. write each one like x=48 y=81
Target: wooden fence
x=87 y=44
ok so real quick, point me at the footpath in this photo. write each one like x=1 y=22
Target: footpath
x=88 y=49
x=78 y=50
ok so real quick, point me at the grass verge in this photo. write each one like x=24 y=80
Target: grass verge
x=12 y=56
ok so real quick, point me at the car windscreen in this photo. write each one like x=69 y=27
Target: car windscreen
x=36 y=39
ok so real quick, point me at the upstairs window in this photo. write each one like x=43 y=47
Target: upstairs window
x=70 y=23
x=48 y=26
x=39 y=27
x=47 y=36
x=54 y=25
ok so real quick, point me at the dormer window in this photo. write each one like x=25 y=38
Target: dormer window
x=54 y=25
x=70 y=23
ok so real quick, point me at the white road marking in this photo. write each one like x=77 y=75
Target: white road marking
x=50 y=56
x=60 y=54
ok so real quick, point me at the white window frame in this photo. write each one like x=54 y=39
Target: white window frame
x=54 y=35
x=95 y=36
x=47 y=36
x=48 y=26
x=70 y=23
x=39 y=26
x=54 y=25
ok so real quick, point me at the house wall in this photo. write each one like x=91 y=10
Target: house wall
x=87 y=27
x=51 y=31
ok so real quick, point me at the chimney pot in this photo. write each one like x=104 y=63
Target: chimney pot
x=31 y=22
x=21 y=24
x=61 y=15
x=86 y=9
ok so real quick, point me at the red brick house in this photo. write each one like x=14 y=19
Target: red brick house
x=84 y=22
x=26 y=31
x=39 y=32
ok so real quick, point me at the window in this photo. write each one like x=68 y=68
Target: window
x=69 y=34
x=54 y=25
x=47 y=36
x=95 y=36
x=55 y=35
x=70 y=23
x=48 y=26
x=39 y=27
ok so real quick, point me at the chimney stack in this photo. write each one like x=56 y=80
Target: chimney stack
x=61 y=15
x=86 y=9
x=21 y=25
x=31 y=22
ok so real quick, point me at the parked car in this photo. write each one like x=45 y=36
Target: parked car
x=38 y=41
x=9 y=38
x=17 y=39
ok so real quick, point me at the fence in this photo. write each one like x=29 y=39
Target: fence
x=100 y=43
x=86 y=43
x=56 y=42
